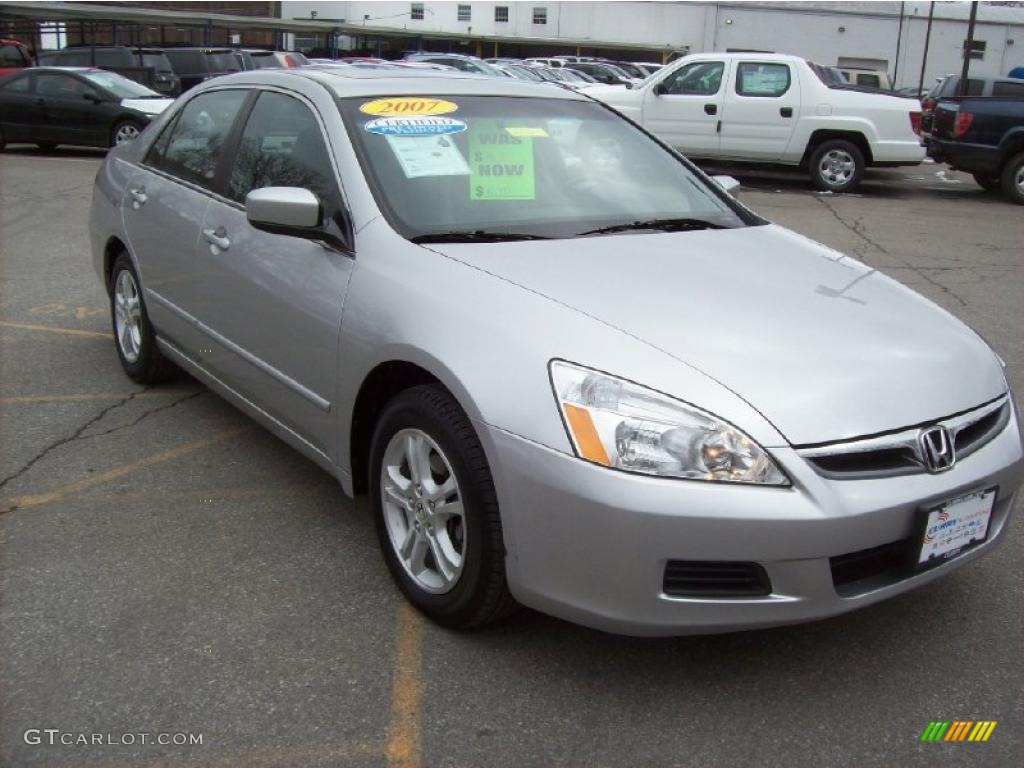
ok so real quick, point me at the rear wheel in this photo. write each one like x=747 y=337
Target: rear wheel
x=836 y=166
x=124 y=131
x=1013 y=179
x=988 y=183
x=436 y=510
x=133 y=335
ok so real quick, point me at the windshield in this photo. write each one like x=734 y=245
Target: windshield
x=121 y=87
x=540 y=167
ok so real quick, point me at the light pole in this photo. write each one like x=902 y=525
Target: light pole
x=968 y=49
x=927 y=40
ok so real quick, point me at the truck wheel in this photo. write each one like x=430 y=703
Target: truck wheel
x=1013 y=179
x=988 y=183
x=836 y=166
x=436 y=510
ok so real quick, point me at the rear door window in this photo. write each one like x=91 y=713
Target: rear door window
x=17 y=85
x=111 y=59
x=763 y=79
x=194 y=143
x=1004 y=89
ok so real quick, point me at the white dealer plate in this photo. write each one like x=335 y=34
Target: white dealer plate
x=954 y=526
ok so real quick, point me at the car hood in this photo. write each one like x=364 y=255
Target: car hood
x=825 y=347
x=147 y=106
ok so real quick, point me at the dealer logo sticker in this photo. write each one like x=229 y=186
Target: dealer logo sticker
x=958 y=730
x=414 y=126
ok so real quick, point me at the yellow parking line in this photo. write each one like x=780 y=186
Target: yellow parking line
x=54 y=329
x=36 y=500
x=90 y=396
x=403 y=749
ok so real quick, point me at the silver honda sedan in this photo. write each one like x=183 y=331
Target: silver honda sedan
x=571 y=371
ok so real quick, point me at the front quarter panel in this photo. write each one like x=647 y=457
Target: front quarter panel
x=490 y=341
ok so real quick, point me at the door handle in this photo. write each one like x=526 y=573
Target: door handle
x=786 y=111
x=217 y=237
x=710 y=109
x=138 y=197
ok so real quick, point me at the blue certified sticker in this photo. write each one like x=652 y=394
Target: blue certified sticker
x=414 y=126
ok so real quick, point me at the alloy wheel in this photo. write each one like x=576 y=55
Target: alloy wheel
x=128 y=316
x=125 y=132
x=423 y=510
x=837 y=167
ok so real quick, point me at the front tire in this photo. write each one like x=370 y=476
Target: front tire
x=1013 y=179
x=133 y=335
x=836 y=166
x=436 y=510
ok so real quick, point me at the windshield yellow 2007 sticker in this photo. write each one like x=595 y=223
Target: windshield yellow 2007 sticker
x=408 y=107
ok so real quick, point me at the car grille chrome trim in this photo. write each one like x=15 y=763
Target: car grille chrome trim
x=902 y=453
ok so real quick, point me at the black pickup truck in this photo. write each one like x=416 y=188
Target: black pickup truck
x=983 y=136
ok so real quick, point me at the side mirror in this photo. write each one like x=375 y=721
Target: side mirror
x=660 y=89
x=285 y=211
x=728 y=183
x=92 y=96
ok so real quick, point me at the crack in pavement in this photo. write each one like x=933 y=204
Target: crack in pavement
x=78 y=433
x=145 y=415
x=857 y=227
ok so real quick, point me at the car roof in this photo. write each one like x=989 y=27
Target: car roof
x=356 y=81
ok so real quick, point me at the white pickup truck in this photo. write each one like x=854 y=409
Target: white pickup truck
x=772 y=108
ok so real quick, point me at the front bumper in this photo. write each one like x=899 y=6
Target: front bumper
x=590 y=545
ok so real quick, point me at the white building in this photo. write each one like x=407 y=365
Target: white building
x=848 y=33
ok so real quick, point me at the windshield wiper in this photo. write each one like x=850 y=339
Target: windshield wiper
x=476 y=236
x=665 y=225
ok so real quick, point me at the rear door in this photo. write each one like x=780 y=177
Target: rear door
x=684 y=107
x=167 y=200
x=762 y=104
x=18 y=117
x=276 y=300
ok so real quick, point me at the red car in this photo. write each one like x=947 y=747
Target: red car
x=13 y=56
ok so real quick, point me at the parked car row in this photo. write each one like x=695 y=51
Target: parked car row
x=169 y=70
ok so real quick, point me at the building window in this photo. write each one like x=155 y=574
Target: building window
x=977 y=49
x=416 y=11
x=465 y=13
x=501 y=13
x=540 y=15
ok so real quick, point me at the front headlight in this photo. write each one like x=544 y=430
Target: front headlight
x=619 y=424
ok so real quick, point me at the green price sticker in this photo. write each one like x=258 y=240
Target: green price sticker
x=501 y=164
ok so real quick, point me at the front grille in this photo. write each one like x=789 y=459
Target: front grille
x=858 y=572
x=899 y=453
x=693 y=578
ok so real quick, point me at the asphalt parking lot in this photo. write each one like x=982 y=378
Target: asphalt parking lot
x=170 y=567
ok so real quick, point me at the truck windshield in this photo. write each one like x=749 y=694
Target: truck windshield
x=485 y=166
